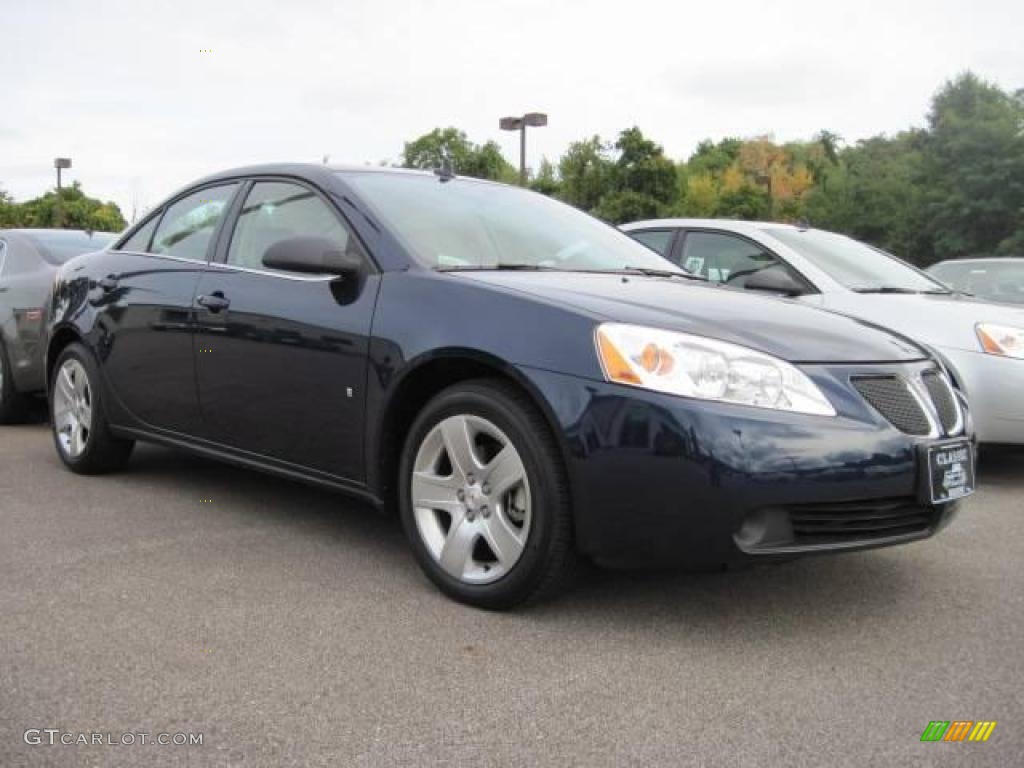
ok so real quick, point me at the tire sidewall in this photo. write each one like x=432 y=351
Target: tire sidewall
x=506 y=414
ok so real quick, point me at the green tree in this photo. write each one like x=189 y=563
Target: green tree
x=482 y=161
x=585 y=170
x=8 y=210
x=546 y=179
x=974 y=168
x=72 y=209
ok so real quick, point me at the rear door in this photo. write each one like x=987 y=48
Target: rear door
x=145 y=307
x=281 y=358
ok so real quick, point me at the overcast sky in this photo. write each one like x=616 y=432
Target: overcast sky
x=127 y=90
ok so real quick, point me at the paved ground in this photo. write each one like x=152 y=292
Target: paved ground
x=290 y=627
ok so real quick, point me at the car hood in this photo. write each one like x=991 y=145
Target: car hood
x=942 y=321
x=779 y=327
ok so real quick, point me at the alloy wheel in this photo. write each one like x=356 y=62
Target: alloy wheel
x=471 y=499
x=72 y=408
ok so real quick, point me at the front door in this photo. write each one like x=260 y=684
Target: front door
x=281 y=359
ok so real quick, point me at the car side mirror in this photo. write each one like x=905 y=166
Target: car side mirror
x=774 y=280
x=312 y=255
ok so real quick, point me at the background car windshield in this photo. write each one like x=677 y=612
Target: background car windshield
x=58 y=247
x=1001 y=281
x=855 y=265
x=474 y=225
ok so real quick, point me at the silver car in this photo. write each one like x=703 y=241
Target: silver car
x=982 y=343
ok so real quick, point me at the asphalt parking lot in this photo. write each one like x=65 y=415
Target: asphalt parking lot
x=289 y=626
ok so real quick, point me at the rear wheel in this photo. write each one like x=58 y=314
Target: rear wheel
x=14 y=407
x=78 y=418
x=484 y=498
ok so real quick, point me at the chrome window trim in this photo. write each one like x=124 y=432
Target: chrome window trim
x=272 y=273
x=232 y=268
x=167 y=256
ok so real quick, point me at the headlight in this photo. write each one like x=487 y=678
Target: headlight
x=1001 y=339
x=706 y=369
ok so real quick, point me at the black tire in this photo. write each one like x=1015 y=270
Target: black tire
x=548 y=557
x=103 y=452
x=14 y=406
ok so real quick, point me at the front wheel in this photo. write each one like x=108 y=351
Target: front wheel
x=484 y=498
x=78 y=417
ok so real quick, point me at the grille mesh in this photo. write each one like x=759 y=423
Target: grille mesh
x=891 y=398
x=942 y=398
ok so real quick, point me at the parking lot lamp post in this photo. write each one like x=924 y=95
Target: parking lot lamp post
x=535 y=119
x=60 y=163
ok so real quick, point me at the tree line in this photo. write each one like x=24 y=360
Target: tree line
x=954 y=187
x=71 y=209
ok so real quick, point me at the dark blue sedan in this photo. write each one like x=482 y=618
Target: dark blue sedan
x=523 y=383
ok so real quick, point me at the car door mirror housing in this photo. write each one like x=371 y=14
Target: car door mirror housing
x=775 y=281
x=312 y=255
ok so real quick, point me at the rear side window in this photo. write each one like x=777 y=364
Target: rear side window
x=139 y=242
x=658 y=240
x=187 y=226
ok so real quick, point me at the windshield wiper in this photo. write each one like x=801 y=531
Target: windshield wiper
x=499 y=268
x=649 y=272
x=897 y=289
x=884 y=289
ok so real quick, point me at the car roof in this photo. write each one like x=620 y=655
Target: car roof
x=729 y=225
x=981 y=260
x=315 y=170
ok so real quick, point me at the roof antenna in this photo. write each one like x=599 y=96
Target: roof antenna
x=445 y=172
x=803 y=223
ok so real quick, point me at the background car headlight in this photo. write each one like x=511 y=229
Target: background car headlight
x=707 y=369
x=1001 y=339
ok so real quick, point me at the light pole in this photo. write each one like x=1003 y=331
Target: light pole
x=60 y=163
x=535 y=119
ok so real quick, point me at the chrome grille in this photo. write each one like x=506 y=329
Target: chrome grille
x=890 y=396
x=941 y=393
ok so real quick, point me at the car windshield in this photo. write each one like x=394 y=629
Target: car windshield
x=59 y=246
x=466 y=224
x=998 y=280
x=855 y=265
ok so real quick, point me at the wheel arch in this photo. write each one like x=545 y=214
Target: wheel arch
x=423 y=379
x=60 y=338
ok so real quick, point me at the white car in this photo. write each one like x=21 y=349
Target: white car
x=981 y=343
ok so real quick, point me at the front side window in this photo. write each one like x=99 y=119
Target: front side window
x=468 y=224
x=274 y=211
x=187 y=226
x=726 y=259
x=855 y=265
x=658 y=240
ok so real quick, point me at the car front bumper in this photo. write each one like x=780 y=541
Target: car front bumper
x=660 y=480
x=994 y=387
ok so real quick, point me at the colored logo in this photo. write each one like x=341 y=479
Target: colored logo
x=958 y=730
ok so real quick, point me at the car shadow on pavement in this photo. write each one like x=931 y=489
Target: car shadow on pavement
x=1001 y=465
x=802 y=596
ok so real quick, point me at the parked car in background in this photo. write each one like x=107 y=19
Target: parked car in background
x=993 y=279
x=981 y=343
x=28 y=260
x=525 y=382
